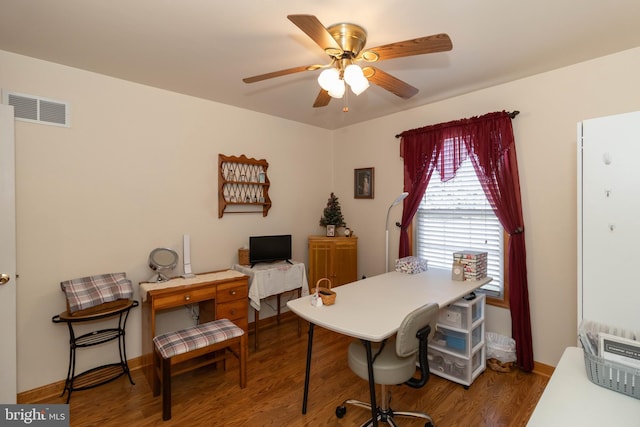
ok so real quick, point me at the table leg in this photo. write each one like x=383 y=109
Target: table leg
x=278 y=316
x=372 y=383
x=308 y=370
x=299 y=318
x=256 y=320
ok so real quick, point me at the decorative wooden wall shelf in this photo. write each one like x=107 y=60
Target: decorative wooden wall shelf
x=242 y=184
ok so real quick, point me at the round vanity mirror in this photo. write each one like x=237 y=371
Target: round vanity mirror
x=162 y=261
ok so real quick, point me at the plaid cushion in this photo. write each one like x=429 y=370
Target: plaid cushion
x=90 y=291
x=195 y=337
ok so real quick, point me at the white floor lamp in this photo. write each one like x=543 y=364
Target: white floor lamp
x=386 y=254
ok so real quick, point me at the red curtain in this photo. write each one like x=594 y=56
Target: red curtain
x=488 y=141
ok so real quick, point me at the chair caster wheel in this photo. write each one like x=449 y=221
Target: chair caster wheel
x=340 y=411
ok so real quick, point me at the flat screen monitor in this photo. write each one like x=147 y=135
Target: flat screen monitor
x=269 y=248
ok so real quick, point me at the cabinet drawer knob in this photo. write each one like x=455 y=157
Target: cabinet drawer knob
x=233 y=312
x=233 y=292
x=187 y=297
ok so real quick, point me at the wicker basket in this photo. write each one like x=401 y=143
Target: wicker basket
x=615 y=376
x=327 y=295
x=499 y=366
x=243 y=256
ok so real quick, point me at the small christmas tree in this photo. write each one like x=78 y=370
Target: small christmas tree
x=332 y=215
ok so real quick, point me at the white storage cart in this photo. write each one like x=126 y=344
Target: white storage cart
x=457 y=350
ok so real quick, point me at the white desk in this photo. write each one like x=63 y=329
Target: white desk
x=268 y=279
x=570 y=399
x=372 y=309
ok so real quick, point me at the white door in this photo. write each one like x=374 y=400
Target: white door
x=8 y=382
x=609 y=226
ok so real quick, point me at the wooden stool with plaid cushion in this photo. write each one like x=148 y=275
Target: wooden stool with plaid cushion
x=198 y=345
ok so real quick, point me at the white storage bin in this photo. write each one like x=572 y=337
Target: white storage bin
x=454 y=340
x=478 y=362
x=447 y=365
x=453 y=316
x=477 y=312
x=477 y=335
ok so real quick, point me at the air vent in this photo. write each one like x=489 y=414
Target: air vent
x=36 y=109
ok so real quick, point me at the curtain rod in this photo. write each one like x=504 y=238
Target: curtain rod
x=512 y=114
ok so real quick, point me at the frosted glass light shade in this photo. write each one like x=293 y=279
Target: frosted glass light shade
x=353 y=73
x=356 y=79
x=328 y=78
x=337 y=90
x=360 y=86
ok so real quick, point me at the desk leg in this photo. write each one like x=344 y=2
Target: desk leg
x=308 y=371
x=372 y=384
x=299 y=318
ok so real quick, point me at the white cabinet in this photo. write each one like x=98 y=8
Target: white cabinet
x=608 y=226
x=457 y=349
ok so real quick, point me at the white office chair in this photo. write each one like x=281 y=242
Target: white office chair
x=394 y=362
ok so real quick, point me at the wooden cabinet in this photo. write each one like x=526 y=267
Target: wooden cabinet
x=243 y=185
x=335 y=258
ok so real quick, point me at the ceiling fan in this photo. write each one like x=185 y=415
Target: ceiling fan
x=345 y=45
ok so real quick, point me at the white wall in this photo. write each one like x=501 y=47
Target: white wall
x=545 y=131
x=137 y=170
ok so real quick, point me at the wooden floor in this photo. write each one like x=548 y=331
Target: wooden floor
x=273 y=397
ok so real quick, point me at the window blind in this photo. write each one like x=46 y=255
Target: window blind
x=455 y=215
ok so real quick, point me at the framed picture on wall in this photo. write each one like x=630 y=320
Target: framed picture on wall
x=363 y=183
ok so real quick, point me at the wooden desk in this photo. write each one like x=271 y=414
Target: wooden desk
x=219 y=294
x=372 y=309
x=570 y=399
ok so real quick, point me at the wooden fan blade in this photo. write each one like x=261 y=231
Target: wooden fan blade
x=312 y=27
x=390 y=83
x=281 y=73
x=322 y=99
x=419 y=46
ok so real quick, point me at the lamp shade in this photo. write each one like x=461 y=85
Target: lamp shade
x=328 y=78
x=359 y=86
x=337 y=90
x=353 y=73
x=400 y=198
x=354 y=76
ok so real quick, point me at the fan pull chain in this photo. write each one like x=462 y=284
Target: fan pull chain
x=345 y=107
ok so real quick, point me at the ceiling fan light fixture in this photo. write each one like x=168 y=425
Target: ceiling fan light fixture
x=353 y=73
x=359 y=87
x=345 y=43
x=354 y=76
x=337 y=90
x=328 y=79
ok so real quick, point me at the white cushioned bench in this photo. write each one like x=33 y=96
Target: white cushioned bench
x=219 y=338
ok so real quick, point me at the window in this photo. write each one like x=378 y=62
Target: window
x=455 y=215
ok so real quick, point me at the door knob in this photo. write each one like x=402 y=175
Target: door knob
x=4 y=278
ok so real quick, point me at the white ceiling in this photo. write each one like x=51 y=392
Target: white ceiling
x=205 y=47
